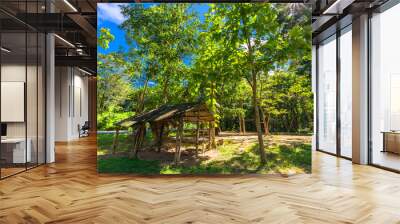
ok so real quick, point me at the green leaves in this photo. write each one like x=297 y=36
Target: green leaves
x=105 y=38
x=185 y=59
x=288 y=100
x=164 y=36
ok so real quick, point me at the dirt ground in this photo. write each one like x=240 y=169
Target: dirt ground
x=188 y=153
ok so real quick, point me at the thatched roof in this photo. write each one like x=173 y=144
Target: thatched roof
x=191 y=112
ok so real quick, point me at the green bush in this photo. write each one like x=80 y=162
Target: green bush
x=106 y=120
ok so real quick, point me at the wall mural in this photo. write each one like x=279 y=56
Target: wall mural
x=204 y=88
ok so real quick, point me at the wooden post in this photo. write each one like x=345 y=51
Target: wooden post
x=202 y=134
x=115 y=143
x=209 y=135
x=138 y=139
x=142 y=135
x=197 y=135
x=178 y=141
x=135 y=134
x=155 y=130
x=160 y=138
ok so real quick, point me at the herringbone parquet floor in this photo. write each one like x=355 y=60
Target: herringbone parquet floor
x=70 y=191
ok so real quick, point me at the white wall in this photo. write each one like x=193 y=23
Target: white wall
x=71 y=102
x=12 y=73
x=62 y=81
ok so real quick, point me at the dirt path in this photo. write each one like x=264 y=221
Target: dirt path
x=242 y=142
x=250 y=138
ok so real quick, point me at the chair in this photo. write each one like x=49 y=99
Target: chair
x=84 y=130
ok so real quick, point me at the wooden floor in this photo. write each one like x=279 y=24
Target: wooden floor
x=387 y=159
x=71 y=191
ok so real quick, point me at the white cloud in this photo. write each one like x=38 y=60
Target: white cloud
x=110 y=12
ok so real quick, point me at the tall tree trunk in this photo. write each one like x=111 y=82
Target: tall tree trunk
x=253 y=81
x=266 y=124
x=240 y=124
x=244 y=125
x=242 y=120
x=212 y=135
x=165 y=90
x=265 y=119
x=212 y=123
x=142 y=96
x=261 y=149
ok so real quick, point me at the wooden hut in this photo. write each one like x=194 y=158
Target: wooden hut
x=164 y=117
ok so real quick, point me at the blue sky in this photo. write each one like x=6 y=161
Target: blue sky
x=109 y=16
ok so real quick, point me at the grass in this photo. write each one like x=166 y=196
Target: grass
x=105 y=143
x=127 y=165
x=281 y=158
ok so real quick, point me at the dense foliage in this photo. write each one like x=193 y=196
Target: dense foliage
x=247 y=62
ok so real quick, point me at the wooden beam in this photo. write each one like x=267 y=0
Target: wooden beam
x=194 y=119
x=200 y=114
x=209 y=135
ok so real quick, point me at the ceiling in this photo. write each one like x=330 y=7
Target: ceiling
x=330 y=15
x=75 y=22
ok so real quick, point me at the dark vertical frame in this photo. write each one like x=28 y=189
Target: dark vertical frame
x=316 y=97
x=60 y=96
x=26 y=86
x=80 y=102
x=338 y=76
x=37 y=89
x=44 y=94
x=369 y=97
x=44 y=79
x=73 y=91
x=69 y=93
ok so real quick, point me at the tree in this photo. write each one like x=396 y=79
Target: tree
x=295 y=20
x=288 y=100
x=242 y=60
x=235 y=100
x=163 y=37
x=254 y=34
x=113 y=83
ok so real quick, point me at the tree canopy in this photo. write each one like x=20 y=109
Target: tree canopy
x=249 y=62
